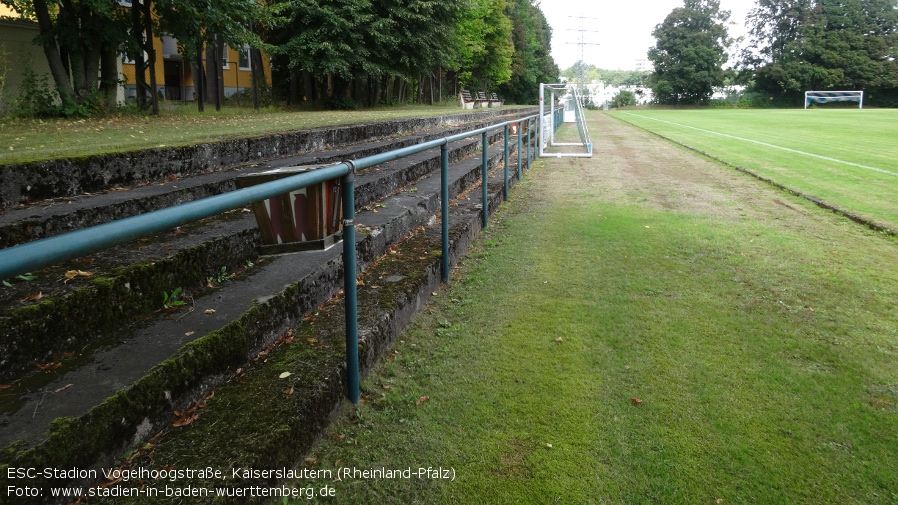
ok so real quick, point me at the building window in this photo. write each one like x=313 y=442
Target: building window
x=245 y=57
x=127 y=60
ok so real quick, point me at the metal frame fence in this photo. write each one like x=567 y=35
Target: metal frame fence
x=557 y=119
x=32 y=256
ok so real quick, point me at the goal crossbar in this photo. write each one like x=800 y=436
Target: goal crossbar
x=833 y=96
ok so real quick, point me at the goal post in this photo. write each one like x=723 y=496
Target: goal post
x=833 y=96
x=568 y=95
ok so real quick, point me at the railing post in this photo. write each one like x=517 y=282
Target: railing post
x=520 y=134
x=444 y=207
x=528 y=143
x=484 y=183
x=349 y=286
x=505 y=169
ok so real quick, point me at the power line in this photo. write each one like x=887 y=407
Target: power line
x=582 y=43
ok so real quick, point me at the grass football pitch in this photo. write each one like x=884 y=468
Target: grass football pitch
x=847 y=158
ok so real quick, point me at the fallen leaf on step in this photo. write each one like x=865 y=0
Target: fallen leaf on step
x=209 y=312
x=185 y=420
x=71 y=274
x=285 y=375
x=288 y=391
x=32 y=298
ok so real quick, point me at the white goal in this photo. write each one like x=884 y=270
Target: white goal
x=571 y=126
x=833 y=96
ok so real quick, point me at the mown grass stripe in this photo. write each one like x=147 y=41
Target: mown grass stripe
x=766 y=144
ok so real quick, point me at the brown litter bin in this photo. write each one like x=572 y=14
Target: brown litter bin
x=308 y=219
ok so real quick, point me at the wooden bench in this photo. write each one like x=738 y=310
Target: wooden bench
x=484 y=101
x=495 y=101
x=467 y=102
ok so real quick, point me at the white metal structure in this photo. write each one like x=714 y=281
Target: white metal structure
x=833 y=96
x=573 y=113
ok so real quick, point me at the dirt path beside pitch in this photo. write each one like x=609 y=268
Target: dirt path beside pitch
x=631 y=166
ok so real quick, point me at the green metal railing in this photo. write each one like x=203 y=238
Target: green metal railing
x=33 y=256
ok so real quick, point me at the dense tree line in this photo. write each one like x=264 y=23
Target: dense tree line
x=793 y=46
x=326 y=51
x=411 y=50
x=800 y=45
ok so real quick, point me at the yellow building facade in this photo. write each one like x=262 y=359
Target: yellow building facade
x=174 y=75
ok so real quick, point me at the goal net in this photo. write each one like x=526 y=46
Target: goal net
x=565 y=133
x=833 y=96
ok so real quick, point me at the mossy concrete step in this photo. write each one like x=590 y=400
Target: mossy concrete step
x=30 y=182
x=139 y=408
x=128 y=282
x=52 y=217
x=258 y=420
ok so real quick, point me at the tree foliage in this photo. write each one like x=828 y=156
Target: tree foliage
x=610 y=77
x=329 y=48
x=798 y=45
x=329 y=37
x=83 y=39
x=531 y=62
x=486 y=49
x=689 y=53
x=624 y=98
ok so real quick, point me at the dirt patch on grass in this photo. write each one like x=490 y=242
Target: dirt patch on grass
x=640 y=167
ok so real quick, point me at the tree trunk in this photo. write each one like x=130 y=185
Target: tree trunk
x=51 y=51
x=375 y=95
x=109 y=76
x=199 y=79
x=308 y=86
x=222 y=55
x=213 y=69
x=151 y=52
x=388 y=88
x=140 y=76
x=255 y=62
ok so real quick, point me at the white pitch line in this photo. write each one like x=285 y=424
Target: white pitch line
x=765 y=144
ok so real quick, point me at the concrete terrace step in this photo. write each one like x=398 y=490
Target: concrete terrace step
x=126 y=385
x=255 y=419
x=128 y=281
x=25 y=183
x=46 y=218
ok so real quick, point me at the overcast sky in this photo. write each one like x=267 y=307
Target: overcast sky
x=620 y=33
